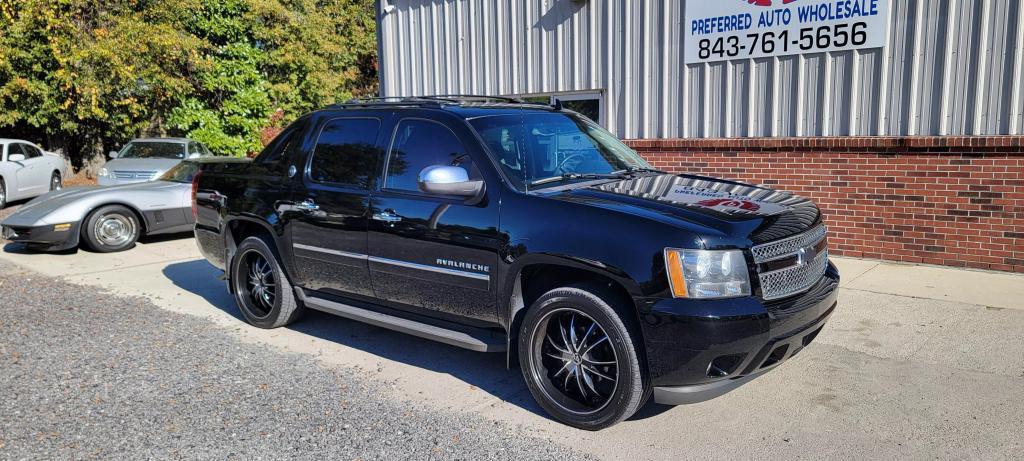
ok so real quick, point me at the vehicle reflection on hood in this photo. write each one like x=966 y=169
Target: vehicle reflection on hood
x=782 y=212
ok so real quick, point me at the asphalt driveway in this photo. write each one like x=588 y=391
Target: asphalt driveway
x=917 y=362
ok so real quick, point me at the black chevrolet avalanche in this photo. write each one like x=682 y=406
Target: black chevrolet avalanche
x=502 y=226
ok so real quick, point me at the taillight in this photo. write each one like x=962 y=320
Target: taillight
x=195 y=192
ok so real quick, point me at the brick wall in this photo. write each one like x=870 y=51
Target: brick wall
x=955 y=201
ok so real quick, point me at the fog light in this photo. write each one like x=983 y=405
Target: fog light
x=725 y=365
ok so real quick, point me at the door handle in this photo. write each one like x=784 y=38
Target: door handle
x=388 y=216
x=307 y=206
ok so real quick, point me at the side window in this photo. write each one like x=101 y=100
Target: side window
x=203 y=149
x=346 y=152
x=275 y=151
x=193 y=149
x=419 y=144
x=16 y=149
x=30 y=151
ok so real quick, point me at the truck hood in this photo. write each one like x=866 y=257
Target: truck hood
x=730 y=208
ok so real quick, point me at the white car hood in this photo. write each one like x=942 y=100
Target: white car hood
x=159 y=165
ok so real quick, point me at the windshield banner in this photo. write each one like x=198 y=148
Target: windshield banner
x=738 y=29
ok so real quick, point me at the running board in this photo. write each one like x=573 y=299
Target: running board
x=474 y=339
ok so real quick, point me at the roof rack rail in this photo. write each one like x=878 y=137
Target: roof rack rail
x=459 y=98
x=431 y=100
x=388 y=101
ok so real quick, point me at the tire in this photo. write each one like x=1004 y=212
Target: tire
x=568 y=374
x=111 y=228
x=56 y=182
x=255 y=273
x=3 y=194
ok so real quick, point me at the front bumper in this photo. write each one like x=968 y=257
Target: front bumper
x=43 y=238
x=699 y=350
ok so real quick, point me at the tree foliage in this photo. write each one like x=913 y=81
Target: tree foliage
x=85 y=75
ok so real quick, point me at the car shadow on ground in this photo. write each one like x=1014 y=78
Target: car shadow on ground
x=486 y=372
x=21 y=248
x=146 y=239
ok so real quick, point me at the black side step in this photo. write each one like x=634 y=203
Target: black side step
x=466 y=337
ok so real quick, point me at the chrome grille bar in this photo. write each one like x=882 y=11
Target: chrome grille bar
x=804 y=272
x=787 y=246
x=129 y=174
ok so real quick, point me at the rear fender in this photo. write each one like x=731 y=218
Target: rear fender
x=231 y=242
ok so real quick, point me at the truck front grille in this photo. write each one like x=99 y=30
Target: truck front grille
x=132 y=174
x=792 y=265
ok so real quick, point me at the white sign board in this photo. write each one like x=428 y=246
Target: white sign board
x=718 y=30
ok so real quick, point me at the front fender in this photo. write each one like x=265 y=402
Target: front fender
x=511 y=300
x=521 y=262
x=9 y=179
x=77 y=210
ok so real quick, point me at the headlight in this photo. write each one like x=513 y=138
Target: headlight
x=707 y=274
x=103 y=172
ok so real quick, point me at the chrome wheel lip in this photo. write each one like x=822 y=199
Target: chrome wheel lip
x=575 y=358
x=257 y=286
x=114 y=230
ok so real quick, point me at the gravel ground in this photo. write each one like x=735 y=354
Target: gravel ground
x=4 y=213
x=91 y=375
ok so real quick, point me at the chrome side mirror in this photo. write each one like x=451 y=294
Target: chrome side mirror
x=16 y=158
x=449 y=180
x=112 y=154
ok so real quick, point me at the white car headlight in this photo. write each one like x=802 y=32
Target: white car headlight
x=103 y=172
x=707 y=274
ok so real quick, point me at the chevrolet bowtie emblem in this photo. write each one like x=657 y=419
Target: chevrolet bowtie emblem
x=805 y=255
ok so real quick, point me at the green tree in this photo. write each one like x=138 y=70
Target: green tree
x=320 y=52
x=229 y=103
x=87 y=75
x=274 y=57
x=80 y=75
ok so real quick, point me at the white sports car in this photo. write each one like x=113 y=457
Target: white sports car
x=109 y=218
x=27 y=171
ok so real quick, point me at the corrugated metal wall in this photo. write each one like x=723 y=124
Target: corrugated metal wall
x=952 y=67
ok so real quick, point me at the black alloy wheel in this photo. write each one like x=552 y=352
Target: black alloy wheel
x=260 y=285
x=581 y=353
x=576 y=358
x=261 y=288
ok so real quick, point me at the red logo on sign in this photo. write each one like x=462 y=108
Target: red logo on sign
x=731 y=203
x=766 y=2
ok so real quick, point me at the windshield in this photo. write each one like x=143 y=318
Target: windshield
x=182 y=172
x=153 y=150
x=533 y=147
